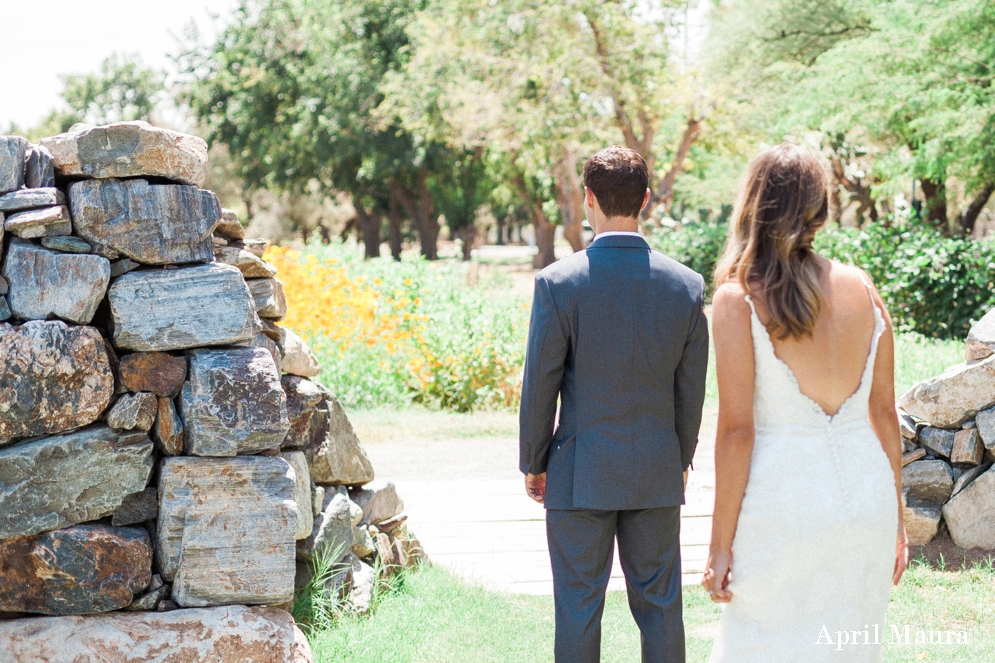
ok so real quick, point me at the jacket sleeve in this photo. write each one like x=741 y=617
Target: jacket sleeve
x=689 y=382
x=544 y=365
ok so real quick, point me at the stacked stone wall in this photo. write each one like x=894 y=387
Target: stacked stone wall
x=169 y=472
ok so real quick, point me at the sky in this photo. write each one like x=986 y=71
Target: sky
x=44 y=39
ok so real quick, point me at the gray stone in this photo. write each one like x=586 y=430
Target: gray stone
x=317 y=498
x=47 y=283
x=332 y=536
x=938 y=441
x=232 y=403
x=308 y=419
x=79 y=570
x=25 y=199
x=954 y=397
x=927 y=481
x=12 y=152
x=229 y=226
x=55 y=378
x=969 y=475
x=297 y=356
x=302 y=492
x=969 y=514
x=364 y=578
x=908 y=427
x=57 y=481
x=137 y=508
x=66 y=244
x=129 y=149
x=168 y=429
x=155 y=224
x=968 y=448
x=215 y=635
x=123 y=266
x=164 y=310
x=46 y=222
x=251 y=265
x=39 y=168
x=981 y=339
x=921 y=521
x=134 y=412
x=150 y=599
x=3 y=286
x=986 y=428
x=363 y=546
x=5 y=313
x=263 y=341
x=338 y=458
x=269 y=298
x=379 y=502
x=226 y=530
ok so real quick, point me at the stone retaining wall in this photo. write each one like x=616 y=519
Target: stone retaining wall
x=162 y=448
x=948 y=429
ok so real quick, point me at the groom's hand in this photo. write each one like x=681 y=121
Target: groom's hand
x=685 y=480
x=535 y=486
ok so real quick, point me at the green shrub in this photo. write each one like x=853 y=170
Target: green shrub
x=932 y=284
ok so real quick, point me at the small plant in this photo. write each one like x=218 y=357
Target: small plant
x=321 y=602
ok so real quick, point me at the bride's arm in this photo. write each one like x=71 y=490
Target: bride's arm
x=734 y=370
x=884 y=421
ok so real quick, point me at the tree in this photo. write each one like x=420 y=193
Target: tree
x=291 y=86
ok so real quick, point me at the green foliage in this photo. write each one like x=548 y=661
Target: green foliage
x=696 y=245
x=318 y=604
x=469 y=354
x=934 y=285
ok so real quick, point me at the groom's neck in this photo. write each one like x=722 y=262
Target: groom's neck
x=628 y=224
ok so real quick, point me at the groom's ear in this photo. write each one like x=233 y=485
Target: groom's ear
x=646 y=199
x=590 y=201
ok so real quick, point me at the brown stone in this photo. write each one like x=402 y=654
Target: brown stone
x=233 y=634
x=255 y=246
x=229 y=226
x=338 y=458
x=268 y=297
x=79 y=570
x=158 y=372
x=251 y=265
x=910 y=456
x=168 y=429
x=969 y=514
x=954 y=397
x=379 y=502
x=298 y=359
x=46 y=222
x=968 y=448
x=55 y=378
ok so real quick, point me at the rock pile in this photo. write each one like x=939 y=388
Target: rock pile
x=161 y=443
x=948 y=429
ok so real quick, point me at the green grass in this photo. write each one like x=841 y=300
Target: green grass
x=384 y=424
x=439 y=618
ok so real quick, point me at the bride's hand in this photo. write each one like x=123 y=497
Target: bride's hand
x=901 y=553
x=716 y=577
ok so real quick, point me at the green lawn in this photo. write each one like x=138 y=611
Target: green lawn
x=438 y=618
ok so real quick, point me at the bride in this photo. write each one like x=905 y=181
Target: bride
x=807 y=533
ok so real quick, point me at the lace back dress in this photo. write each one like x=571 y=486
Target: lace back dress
x=815 y=542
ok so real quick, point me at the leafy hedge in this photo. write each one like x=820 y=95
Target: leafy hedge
x=932 y=284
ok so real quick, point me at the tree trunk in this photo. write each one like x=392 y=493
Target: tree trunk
x=420 y=210
x=570 y=198
x=369 y=228
x=936 y=203
x=545 y=236
x=664 y=193
x=970 y=216
x=467 y=235
x=394 y=223
x=501 y=223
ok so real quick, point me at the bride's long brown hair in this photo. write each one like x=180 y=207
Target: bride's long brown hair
x=783 y=201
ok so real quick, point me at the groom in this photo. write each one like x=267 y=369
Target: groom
x=619 y=336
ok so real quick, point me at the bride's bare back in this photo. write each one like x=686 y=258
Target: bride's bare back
x=829 y=365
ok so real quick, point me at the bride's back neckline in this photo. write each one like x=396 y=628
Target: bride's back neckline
x=842 y=290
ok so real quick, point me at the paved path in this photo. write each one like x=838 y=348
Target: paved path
x=466 y=503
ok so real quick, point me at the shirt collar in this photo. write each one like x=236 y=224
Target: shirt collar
x=617 y=233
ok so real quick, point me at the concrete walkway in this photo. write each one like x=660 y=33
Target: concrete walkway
x=466 y=502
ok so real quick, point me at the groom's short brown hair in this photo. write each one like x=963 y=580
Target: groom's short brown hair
x=618 y=177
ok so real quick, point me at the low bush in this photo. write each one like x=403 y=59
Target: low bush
x=932 y=284
x=395 y=333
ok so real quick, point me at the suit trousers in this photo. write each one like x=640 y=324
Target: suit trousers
x=581 y=547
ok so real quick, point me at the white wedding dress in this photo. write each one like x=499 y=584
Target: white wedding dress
x=815 y=542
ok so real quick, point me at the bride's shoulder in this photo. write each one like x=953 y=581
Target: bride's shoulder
x=729 y=300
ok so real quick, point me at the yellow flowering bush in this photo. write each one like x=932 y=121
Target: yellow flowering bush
x=396 y=333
